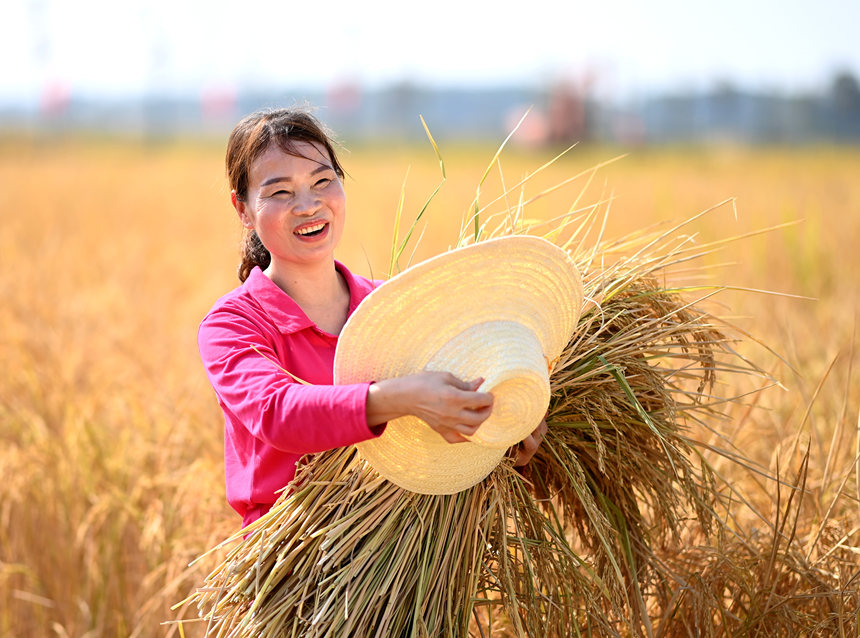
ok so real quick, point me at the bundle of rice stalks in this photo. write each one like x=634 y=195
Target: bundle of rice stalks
x=561 y=548
x=566 y=546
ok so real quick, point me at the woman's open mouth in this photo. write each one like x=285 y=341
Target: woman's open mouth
x=311 y=230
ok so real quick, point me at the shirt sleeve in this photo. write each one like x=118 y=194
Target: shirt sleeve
x=268 y=402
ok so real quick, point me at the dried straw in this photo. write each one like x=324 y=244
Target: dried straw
x=563 y=548
x=569 y=546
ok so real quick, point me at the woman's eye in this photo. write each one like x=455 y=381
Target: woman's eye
x=281 y=193
x=325 y=181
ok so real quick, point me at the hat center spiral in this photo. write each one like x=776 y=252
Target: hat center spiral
x=510 y=358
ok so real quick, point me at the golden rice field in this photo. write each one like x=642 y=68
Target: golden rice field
x=111 y=253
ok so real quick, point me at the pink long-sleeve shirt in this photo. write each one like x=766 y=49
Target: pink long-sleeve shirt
x=271 y=420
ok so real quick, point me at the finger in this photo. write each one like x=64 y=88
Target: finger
x=474 y=417
x=461 y=384
x=476 y=383
x=452 y=436
x=527 y=448
x=530 y=444
x=475 y=400
x=465 y=428
x=466 y=386
x=522 y=458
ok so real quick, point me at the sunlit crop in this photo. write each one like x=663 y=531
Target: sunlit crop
x=111 y=253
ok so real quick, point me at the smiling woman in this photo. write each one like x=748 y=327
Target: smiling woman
x=268 y=346
x=278 y=148
x=295 y=204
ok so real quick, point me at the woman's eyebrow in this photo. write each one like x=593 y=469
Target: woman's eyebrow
x=274 y=180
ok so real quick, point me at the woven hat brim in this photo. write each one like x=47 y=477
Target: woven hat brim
x=413 y=456
x=400 y=326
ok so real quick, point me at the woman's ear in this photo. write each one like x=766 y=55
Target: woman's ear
x=242 y=210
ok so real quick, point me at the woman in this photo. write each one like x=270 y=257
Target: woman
x=268 y=346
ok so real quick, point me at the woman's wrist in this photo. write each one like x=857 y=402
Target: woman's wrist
x=384 y=402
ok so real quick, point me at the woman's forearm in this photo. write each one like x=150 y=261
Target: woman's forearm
x=451 y=406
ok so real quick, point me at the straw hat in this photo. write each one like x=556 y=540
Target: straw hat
x=501 y=309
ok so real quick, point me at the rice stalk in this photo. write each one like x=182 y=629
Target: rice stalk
x=764 y=584
x=563 y=548
x=582 y=540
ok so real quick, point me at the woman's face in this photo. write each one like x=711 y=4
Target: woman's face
x=296 y=204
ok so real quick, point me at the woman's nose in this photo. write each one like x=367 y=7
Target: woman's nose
x=305 y=203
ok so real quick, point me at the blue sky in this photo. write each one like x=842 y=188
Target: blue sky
x=130 y=47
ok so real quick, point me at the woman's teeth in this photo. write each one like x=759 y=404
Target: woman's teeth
x=310 y=230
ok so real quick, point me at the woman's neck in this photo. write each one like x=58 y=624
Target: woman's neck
x=319 y=290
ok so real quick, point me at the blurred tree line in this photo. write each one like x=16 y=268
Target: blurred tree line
x=560 y=113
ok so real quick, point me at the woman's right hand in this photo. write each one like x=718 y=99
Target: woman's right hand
x=451 y=406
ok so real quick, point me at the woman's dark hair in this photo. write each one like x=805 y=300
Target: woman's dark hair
x=249 y=140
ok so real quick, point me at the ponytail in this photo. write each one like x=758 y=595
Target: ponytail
x=253 y=254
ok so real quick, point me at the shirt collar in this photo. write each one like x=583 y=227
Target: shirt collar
x=282 y=309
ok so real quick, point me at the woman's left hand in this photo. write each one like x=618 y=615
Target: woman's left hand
x=526 y=448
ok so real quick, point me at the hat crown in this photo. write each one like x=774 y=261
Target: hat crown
x=509 y=357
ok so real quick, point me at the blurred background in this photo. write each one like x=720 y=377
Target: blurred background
x=607 y=72
x=117 y=236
